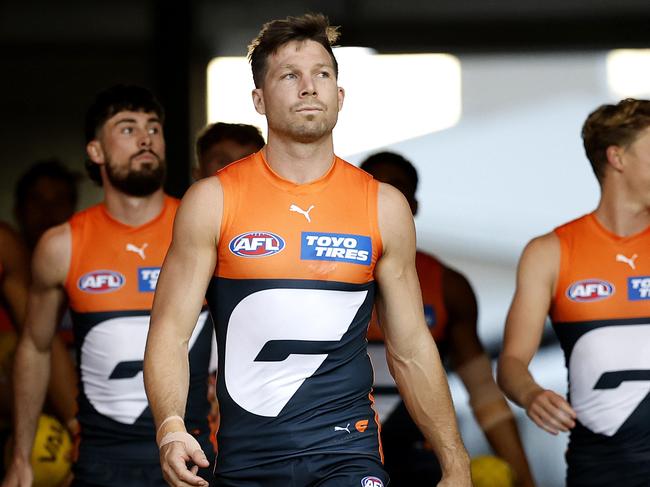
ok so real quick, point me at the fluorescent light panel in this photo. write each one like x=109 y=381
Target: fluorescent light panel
x=389 y=98
x=628 y=72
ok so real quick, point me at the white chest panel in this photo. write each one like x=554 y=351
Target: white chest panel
x=107 y=345
x=265 y=387
x=608 y=350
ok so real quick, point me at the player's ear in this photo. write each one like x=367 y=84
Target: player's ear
x=258 y=101
x=614 y=155
x=341 y=97
x=95 y=151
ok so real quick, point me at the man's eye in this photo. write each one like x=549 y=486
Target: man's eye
x=154 y=130
x=127 y=130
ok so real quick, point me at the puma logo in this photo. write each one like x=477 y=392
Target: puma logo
x=624 y=259
x=137 y=250
x=340 y=428
x=297 y=209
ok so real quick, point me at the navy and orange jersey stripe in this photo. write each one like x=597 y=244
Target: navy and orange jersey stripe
x=430 y=271
x=601 y=314
x=110 y=287
x=291 y=297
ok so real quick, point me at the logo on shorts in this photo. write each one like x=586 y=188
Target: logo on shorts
x=256 y=244
x=361 y=425
x=100 y=281
x=371 y=482
x=355 y=249
x=147 y=279
x=638 y=288
x=590 y=290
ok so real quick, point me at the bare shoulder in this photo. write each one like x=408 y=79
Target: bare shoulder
x=542 y=250
x=51 y=259
x=200 y=209
x=395 y=217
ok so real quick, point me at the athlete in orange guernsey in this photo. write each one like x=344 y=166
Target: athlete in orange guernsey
x=105 y=262
x=592 y=276
x=291 y=244
x=451 y=313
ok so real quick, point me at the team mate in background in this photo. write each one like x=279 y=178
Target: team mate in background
x=592 y=276
x=46 y=195
x=451 y=314
x=219 y=144
x=294 y=374
x=104 y=262
x=14 y=281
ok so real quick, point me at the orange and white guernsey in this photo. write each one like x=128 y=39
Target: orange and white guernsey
x=430 y=271
x=110 y=287
x=291 y=298
x=601 y=314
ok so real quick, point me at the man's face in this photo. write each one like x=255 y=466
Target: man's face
x=221 y=154
x=299 y=96
x=393 y=175
x=48 y=202
x=132 y=150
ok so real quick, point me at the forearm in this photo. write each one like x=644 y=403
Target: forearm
x=424 y=389
x=62 y=390
x=516 y=381
x=166 y=378
x=31 y=374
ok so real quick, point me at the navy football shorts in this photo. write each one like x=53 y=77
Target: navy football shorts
x=310 y=471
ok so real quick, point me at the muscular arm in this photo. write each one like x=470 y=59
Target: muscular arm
x=32 y=364
x=473 y=366
x=411 y=354
x=180 y=292
x=62 y=390
x=536 y=280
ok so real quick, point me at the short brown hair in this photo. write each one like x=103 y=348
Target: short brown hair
x=609 y=125
x=277 y=33
x=241 y=133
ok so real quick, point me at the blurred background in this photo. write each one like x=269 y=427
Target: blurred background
x=486 y=98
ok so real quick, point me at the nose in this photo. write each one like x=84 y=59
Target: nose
x=145 y=140
x=308 y=87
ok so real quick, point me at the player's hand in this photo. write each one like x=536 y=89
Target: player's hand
x=19 y=474
x=174 y=458
x=551 y=412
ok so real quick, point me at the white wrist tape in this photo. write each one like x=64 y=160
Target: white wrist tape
x=191 y=445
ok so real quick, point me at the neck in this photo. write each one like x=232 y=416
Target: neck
x=621 y=214
x=299 y=162
x=133 y=210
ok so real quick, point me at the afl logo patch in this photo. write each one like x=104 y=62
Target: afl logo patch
x=590 y=290
x=371 y=482
x=100 y=281
x=256 y=244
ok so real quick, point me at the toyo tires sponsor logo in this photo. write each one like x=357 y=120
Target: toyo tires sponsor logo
x=256 y=244
x=371 y=482
x=101 y=281
x=590 y=290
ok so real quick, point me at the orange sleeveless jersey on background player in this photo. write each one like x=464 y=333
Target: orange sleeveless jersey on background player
x=601 y=314
x=291 y=298
x=430 y=272
x=110 y=287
